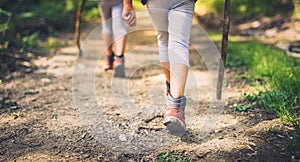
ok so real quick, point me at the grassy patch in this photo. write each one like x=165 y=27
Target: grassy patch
x=242 y=8
x=272 y=66
x=173 y=156
x=279 y=76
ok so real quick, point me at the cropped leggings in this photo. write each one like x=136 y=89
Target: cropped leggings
x=172 y=20
x=111 y=15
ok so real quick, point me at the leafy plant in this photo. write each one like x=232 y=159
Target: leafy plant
x=30 y=41
x=241 y=107
x=173 y=156
x=273 y=129
x=16 y=115
x=4 y=26
x=52 y=43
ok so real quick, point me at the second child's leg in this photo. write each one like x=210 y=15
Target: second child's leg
x=107 y=33
x=119 y=30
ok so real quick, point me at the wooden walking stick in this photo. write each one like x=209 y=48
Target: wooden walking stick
x=77 y=25
x=226 y=24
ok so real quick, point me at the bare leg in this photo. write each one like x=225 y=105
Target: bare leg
x=178 y=79
x=107 y=39
x=120 y=45
x=166 y=70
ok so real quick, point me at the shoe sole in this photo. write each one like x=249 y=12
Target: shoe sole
x=119 y=71
x=174 y=126
x=107 y=69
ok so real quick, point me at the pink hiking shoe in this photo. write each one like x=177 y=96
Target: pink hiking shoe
x=109 y=62
x=174 y=118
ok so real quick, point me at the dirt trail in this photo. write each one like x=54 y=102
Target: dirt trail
x=74 y=111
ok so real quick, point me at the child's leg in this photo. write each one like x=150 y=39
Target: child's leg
x=166 y=70
x=180 y=21
x=108 y=40
x=107 y=33
x=119 y=32
x=159 y=16
x=119 y=29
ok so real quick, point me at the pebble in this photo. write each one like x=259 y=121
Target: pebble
x=122 y=138
x=45 y=80
x=81 y=66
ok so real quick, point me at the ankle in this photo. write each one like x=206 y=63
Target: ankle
x=179 y=102
x=119 y=56
x=168 y=87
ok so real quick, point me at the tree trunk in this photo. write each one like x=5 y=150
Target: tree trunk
x=77 y=24
x=226 y=24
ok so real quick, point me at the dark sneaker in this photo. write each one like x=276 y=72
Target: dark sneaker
x=109 y=62
x=174 y=118
x=119 y=67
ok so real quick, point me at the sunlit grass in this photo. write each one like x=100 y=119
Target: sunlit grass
x=279 y=73
x=217 y=37
x=280 y=77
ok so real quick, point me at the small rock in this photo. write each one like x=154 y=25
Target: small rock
x=255 y=24
x=271 y=32
x=28 y=70
x=31 y=92
x=84 y=156
x=45 y=80
x=200 y=156
x=122 y=138
x=8 y=77
x=61 y=88
x=81 y=66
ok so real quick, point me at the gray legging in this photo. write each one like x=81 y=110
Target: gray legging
x=172 y=19
x=111 y=15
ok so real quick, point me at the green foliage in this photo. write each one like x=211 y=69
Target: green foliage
x=91 y=10
x=52 y=43
x=172 y=156
x=16 y=115
x=30 y=41
x=4 y=20
x=281 y=103
x=4 y=26
x=242 y=107
x=268 y=64
x=277 y=71
x=273 y=129
x=296 y=13
x=245 y=8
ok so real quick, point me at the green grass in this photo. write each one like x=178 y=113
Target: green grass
x=244 y=8
x=272 y=66
x=279 y=74
x=280 y=79
x=172 y=156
